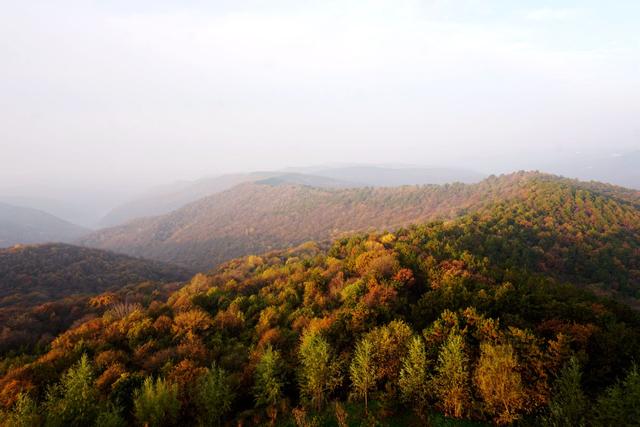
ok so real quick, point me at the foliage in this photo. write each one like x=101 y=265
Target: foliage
x=110 y=417
x=73 y=402
x=213 y=396
x=46 y=288
x=24 y=413
x=451 y=379
x=619 y=405
x=319 y=373
x=499 y=382
x=569 y=226
x=269 y=381
x=568 y=405
x=414 y=377
x=472 y=318
x=156 y=404
x=363 y=371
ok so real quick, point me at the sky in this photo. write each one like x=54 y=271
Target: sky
x=111 y=96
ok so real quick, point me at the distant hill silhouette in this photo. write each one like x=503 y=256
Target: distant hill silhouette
x=379 y=176
x=21 y=225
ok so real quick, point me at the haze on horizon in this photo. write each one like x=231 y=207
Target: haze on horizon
x=113 y=97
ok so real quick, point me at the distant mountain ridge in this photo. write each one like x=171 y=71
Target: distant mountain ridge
x=378 y=176
x=257 y=217
x=165 y=199
x=168 y=198
x=21 y=225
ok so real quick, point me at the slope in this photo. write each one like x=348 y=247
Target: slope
x=171 y=197
x=44 y=288
x=256 y=217
x=490 y=291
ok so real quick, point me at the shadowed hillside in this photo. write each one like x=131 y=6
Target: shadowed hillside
x=45 y=288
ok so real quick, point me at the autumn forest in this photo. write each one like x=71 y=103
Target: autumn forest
x=516 y=308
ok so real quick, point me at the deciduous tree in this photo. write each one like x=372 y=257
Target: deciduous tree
x=269 y=382
x=319 y=374
x=363 y=371
x=156 y=404
x=499 y=382
x=451 y=380
x=414 y=380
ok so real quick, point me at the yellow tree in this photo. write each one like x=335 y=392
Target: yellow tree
x=499 y=382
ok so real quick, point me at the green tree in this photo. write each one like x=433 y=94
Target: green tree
x=111 y=416
x=363 y=371
x=213 y=396
x=451 y=380
x=24 y=413
x=269 y=382
x=73 y=402
x=619 y=405
x=568 y=404
x=156 y=403
x=318 y=374
x=414 y=380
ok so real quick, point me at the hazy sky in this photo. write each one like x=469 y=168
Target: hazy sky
x=95 y=92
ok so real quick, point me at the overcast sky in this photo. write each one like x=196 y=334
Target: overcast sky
x=95 y=92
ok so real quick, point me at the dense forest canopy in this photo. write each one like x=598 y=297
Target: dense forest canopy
x=45 y=288
x=490 y=318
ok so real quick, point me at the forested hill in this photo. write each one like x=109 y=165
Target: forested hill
x=469 y=319
x=45 y=288
x=51 y=271
x=256 y=217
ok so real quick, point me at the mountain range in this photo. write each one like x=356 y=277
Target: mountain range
x=170 y=197
x=483 y=303
x=265 y=215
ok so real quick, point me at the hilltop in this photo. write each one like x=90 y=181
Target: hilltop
x=261 y=216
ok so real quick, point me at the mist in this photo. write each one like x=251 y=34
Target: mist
x=102 y=100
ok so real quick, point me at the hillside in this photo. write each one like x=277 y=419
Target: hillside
x=27 y=226
x=45 y=288
x=167 y=198
x=477 y=318
x=256 y=217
